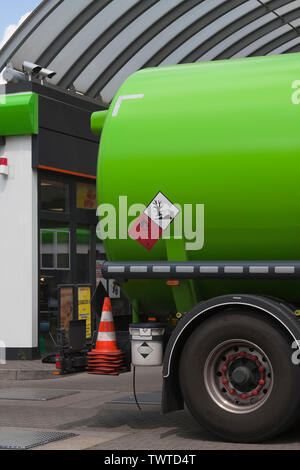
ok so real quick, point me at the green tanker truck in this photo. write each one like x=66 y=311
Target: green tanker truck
x=219 y=145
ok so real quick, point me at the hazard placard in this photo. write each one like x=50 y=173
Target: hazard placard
x=161 y=211
x=145 y=231
x=148 y=228
x=145 y=350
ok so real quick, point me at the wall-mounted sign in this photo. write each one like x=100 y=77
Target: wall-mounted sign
x=86 y=196
x=84 y=307
x=99 y=275
x=66 y=306
x=113 y=289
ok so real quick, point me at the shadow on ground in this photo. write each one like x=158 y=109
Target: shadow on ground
x=178 y=427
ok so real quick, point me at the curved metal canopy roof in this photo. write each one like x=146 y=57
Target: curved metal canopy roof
x=96 y=44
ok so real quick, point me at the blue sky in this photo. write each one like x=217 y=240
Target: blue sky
x=13 y=10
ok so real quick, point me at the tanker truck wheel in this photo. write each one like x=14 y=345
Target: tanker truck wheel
x=237 y=377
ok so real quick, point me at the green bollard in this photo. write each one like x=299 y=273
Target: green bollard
x=42 y=346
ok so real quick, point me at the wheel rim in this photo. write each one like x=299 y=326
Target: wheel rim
x=238 y=376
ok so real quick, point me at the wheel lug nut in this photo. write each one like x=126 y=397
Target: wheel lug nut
x=254 y=393
x=244 y=396
x=231 y=391
x=261 y=382
x=224 y=381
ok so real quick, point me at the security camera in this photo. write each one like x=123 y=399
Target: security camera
x=46 y=73
x=12 y=75
x=31 y=69
x=71 y=88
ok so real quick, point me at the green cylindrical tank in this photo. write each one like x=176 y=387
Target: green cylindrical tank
x=225 y=134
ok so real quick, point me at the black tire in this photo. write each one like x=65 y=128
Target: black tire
x=280 y=409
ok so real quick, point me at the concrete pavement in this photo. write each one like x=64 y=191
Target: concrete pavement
x=99 y=424
x=26 y=370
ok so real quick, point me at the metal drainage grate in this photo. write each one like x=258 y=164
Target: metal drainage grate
x=21 y=439
x=143 y=399
x=33 y=394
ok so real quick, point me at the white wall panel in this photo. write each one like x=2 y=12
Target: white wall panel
x=18 y=246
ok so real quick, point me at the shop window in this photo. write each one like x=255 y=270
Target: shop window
x=47 y=249
x=86 y=196
x=55 y=249
x=54 y=196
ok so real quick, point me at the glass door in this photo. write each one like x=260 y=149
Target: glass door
x=55 y=268
x=67 y=218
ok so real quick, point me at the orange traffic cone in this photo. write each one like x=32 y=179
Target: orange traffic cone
x=106 y=359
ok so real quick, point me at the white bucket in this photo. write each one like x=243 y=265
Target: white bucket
x=147 y=343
